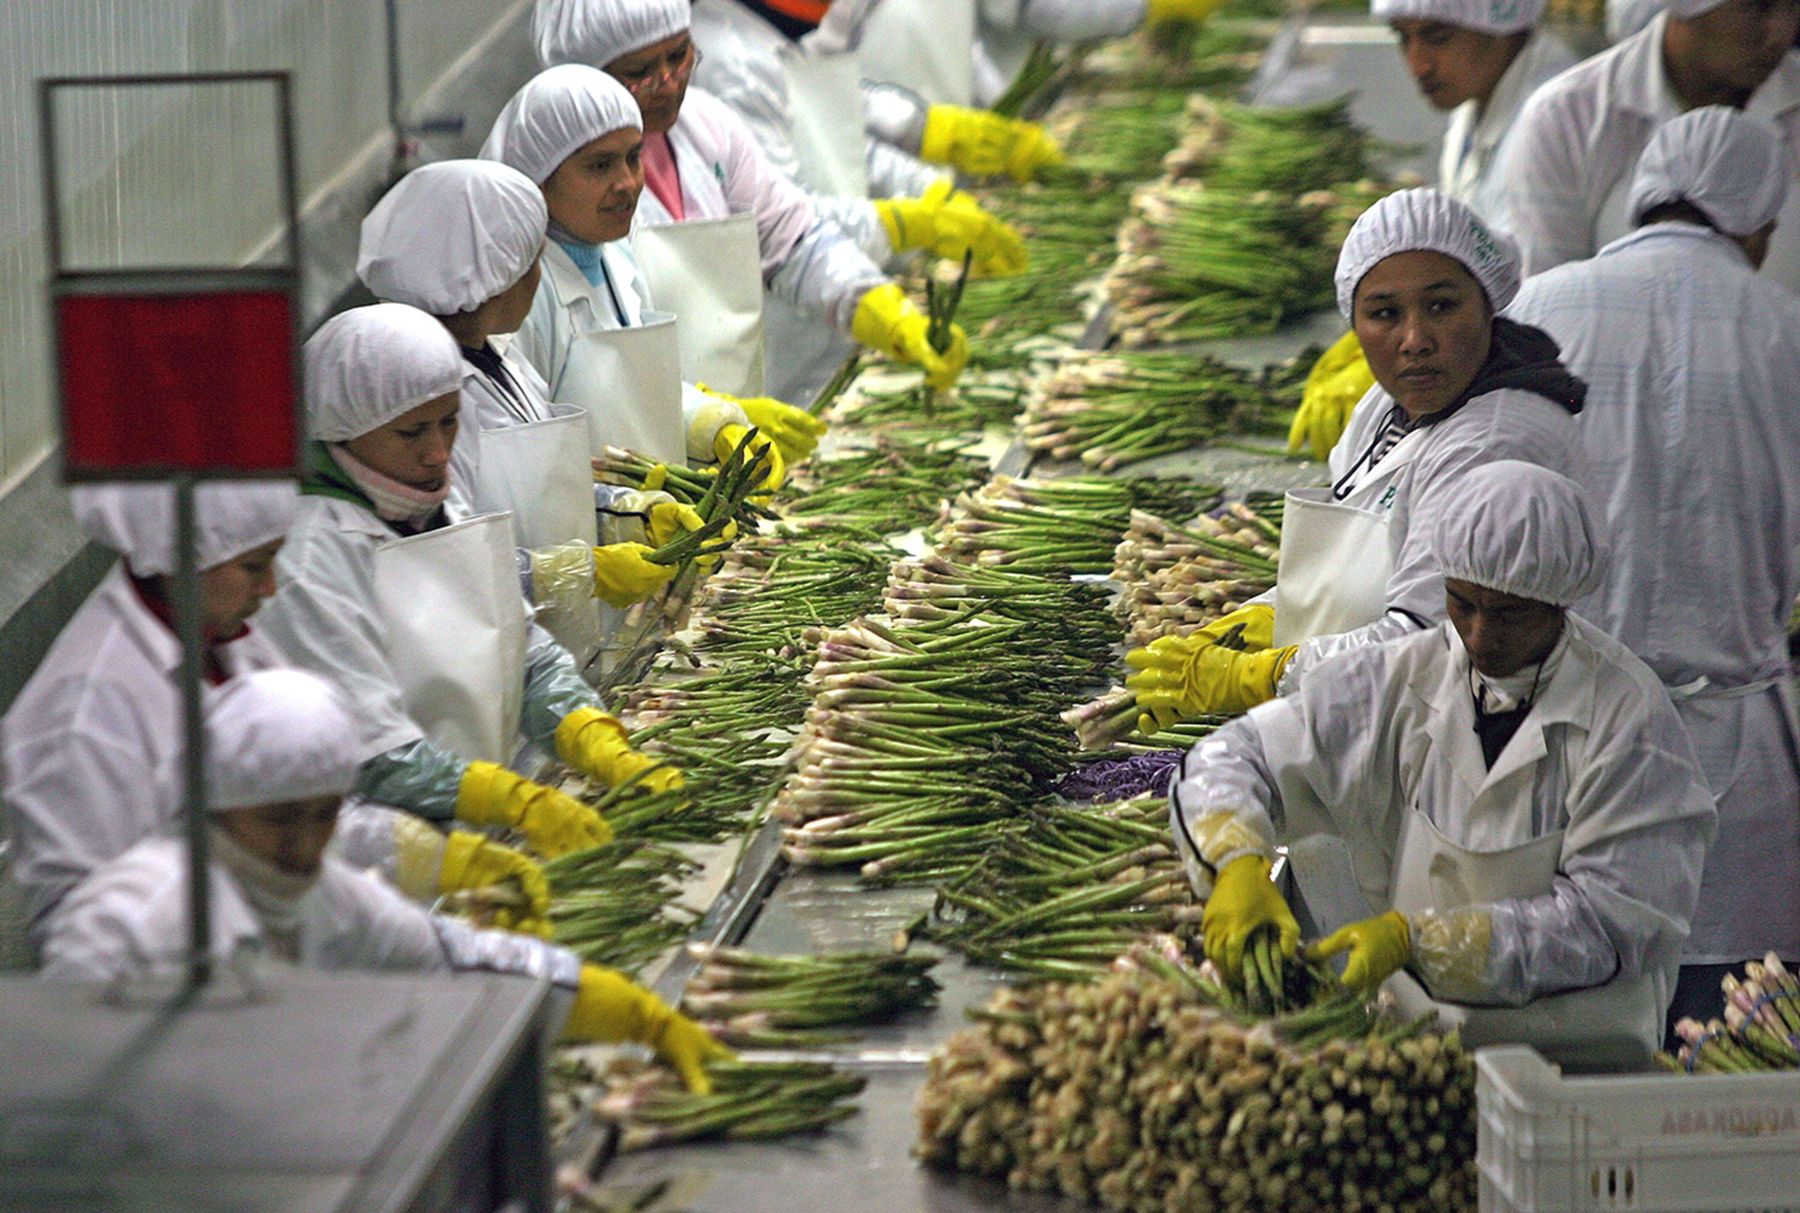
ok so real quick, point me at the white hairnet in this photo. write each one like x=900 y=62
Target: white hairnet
x=1487 y=16
x=369 y=365
x=1727 y=164
x=230 y=518
x=1426 y=220
x=1523 y=530
x=1690 y=8
x=275 y=736
x=559 y=111
x=450 y=236
x=596 y=32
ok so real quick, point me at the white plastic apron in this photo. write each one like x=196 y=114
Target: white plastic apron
x=628 y=381
x=1615 y=1025
x=455 y=627
x=542 y=473
x=825 y=101
x=1335 y=565
x=708 y=272
x=926 y=45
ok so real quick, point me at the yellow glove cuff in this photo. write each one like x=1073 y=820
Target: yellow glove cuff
x=419 y=850
x=587 y=734
x=484 y=795
x=943 y=125
x=1224 y=837
x=611 y=1007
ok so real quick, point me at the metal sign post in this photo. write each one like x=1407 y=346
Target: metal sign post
x=177 y=374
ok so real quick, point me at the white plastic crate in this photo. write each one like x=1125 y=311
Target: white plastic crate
x=1655 y=1143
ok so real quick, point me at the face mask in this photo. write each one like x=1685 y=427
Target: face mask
x=276 y=895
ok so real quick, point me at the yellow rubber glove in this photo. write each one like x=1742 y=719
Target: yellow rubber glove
x=596 y=744
x=1339 y=379
x=794 y=430
x=1180 y=677
x=948 y=222
x=1191 y=12
x=624 y=574
x=1243 y=899
x=1378 y=947
x=611 y=1007
x=727 y=440
x=552 y=822
x=886 y=320
x=474 y=862
x=671 y=518
x=982 y=144
x=1256 y=620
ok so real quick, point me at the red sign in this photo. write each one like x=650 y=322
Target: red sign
x=165 y=383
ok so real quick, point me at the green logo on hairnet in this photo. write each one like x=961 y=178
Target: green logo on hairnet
x=1504 y=11
x=1485 y=248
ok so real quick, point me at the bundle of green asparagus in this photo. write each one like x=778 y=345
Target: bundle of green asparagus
x=1113 y=409
x=1760 y=1031
x=1141 y=1093
x=975 y=403
x=615 y=905
x=750 y=1101
x=893 y=486
x=1286 y=151
x=1177 y=578
x=1068 y=525
x=757 y=1001
x=1196 y=263
x=731 y=492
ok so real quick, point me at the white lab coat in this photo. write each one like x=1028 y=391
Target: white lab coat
x=92 y=746
x=743 y=66
x=807 y=259
x=1383 y=731
x=1569 y=163
x=1692 y=359
x=1475 y=140
x=130 y=919
x=1414 y=482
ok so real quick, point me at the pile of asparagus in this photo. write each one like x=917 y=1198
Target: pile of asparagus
x=1760 y=1030
x=1141 y=1093
x=757 y=1001
x=1177 y=578
x=614 y=905
x=750 y=1101
x=895 y=485
x=975 y=403
x=1286 y=151
x=1069 y=525
x=1113 y=409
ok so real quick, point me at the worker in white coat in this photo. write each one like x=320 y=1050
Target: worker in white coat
x=701 y=162
x=1524 y=819
x=462 y=239
x=1420 y=279
x=281 y=754
x=1691 y=358
x=416 y=613
x=1568 y=164
x=1478 y=59
x=577 y=133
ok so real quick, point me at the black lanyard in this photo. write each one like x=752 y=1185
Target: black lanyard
x=1496 y=729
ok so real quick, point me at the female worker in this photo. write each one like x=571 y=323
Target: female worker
x=416 y=613
x=1478 y=59
x=281 y=754
x=576 y=133
x=461 y=239
x=1515 y=791
x=93 y=743
x=1419 y=278
x=701 y=163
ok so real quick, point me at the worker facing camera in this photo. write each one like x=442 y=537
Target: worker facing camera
x=1452 y=63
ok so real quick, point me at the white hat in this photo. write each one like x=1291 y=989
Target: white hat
x=230 y=518
x=559 y=111
x=1487 y=16
x=1425 y=220
x=1727 y=164
x=450 y=236
x=596 y=32
x=276 y=736
x=369 y=365
x=1523 y=530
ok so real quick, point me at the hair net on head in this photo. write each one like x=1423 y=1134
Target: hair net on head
x=275 y=736
x=1727 y=164
x=230 y=518
x=1523 y=530
x=451 y=236
x=1487 y=16
x=596 y=32
x=559 y=111
x=1690 y=8
x=1425 y=220
x=369 y=365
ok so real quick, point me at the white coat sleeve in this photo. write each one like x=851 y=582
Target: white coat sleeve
x=1065 y=20
x=1291 y=767
x=895 y=174
x=1639 y=824
x=1546 y=196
